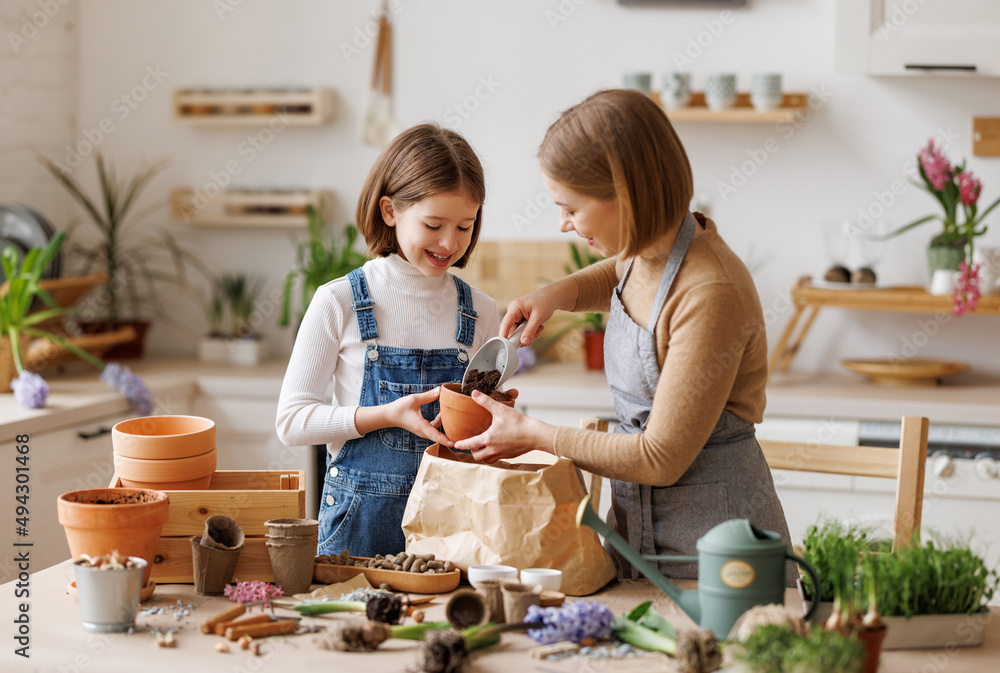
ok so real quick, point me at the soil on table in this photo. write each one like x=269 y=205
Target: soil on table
x=483 y=381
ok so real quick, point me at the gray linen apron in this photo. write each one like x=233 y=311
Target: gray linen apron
x=728 y=480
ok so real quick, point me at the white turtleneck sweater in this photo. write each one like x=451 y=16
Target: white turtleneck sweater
x=412 y=311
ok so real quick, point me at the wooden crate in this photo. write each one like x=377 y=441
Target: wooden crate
x=250 y=497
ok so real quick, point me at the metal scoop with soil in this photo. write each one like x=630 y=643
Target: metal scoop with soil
x=493 y=364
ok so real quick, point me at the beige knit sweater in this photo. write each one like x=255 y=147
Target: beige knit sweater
x=712 y=352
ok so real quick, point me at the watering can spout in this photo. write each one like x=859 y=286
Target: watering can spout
x=687 y=600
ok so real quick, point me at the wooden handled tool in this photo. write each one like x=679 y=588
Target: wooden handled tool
x=220 y=628
x=224 y=616
x=262 y=630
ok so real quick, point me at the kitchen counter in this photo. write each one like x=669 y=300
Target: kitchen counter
x=79 y=396
x=58 y=643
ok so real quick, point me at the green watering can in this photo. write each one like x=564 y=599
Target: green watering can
x=739 y=566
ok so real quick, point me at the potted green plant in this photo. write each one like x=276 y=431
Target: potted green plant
x=233 y=296
x=318 y=261
x=135 y=264
x=19 y=321
x=592 y=323
x=957 y=190
x=927 y=595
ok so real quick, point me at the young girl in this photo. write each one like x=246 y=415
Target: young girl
x=388 y=335
x=685 y=349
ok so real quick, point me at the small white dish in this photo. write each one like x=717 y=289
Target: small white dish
x=548 y=579
x=478 y=573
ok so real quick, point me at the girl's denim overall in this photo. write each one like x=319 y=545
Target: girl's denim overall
x=368 y=483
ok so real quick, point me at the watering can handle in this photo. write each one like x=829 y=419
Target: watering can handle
x=815 y=582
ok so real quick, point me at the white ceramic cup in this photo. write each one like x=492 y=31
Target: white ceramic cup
x=547 y=578
x=676 y=90
x=943 y=281
x=720 y=91
x=640 y=81
x=478 y=573
x=988 y=260
x=765 y=91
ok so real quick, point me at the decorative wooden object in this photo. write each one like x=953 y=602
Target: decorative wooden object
x=902 y=299
x=245 y=208
x=905 y=464
x=418 y=583
x=792 y=105
x=267 y=108
x=986 y=136
x=250 y=497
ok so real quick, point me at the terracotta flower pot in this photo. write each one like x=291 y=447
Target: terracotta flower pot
x=461 y=417
x=193 y=473
x=593 y=350
x=101 y=520
x=161 y=437
x=165 y=452
x=872 y=640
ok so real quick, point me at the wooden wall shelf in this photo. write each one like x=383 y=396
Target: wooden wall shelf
x=257 y=107
x=902 y=299
x=248 y=208
x=792 y=104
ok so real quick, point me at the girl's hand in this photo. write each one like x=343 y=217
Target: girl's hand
x=510 y=434
x=405 y=413
x=537 y=307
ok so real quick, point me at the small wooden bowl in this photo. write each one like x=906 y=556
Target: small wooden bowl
x=461 y=417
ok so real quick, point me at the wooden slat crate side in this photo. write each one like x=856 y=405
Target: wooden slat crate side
x=172 y=563
x=250 y=509
x=253 y=480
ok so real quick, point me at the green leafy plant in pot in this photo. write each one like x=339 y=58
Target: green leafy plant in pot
x=234 y=296
x=957 y=190
x=135 y=264
x=592 y=323
x=20 y=321
x=318 y=261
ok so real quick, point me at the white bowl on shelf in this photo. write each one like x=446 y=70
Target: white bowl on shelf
x=478 y=573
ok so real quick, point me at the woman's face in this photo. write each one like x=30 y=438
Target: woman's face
x=596 y=220
x=434 y=232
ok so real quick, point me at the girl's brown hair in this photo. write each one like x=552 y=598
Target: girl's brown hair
x=420 y=162
x=620 y=143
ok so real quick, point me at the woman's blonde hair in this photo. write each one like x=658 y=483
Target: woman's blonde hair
x=620 y=143
x=420 y=162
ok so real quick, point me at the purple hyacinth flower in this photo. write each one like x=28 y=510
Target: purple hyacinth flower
x=30 y=390
x=572 y=622
x=130 y=385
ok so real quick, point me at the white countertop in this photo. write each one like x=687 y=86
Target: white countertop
x=79 y=395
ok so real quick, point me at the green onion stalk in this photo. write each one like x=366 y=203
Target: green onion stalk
x=645 y=628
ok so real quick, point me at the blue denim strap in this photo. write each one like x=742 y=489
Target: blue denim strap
x=364 y=307
x=465 y=331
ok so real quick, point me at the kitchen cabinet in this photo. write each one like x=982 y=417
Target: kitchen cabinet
x=917 y=37
x=69 y=459
x=245 y=438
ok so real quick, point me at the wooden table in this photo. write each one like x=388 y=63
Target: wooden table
x=59 y=645
x=808 y=299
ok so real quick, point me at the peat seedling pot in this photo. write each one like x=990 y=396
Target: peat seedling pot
x=291 y=545
x=215 y=553
x=109 y=599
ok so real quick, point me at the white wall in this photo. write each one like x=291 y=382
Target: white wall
x=539 y=57
x=38 y=48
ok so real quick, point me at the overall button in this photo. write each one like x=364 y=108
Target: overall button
x=334 y=472
x=331 y=501
x=463 y=357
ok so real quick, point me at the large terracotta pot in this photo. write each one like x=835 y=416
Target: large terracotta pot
x=461 y=417
x=165 y=452
x=101 y=520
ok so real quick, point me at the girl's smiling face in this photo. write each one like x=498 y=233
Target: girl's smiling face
x=433 y=233
x=596 y=220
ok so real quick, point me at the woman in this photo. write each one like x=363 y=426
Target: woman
x=685 y=348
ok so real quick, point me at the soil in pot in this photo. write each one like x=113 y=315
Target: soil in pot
x=101 y=520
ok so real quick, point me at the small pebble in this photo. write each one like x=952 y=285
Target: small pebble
x=221 y=647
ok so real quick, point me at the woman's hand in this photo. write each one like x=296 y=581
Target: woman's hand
x=510 y=434
x=537 y=307
x=403 y=413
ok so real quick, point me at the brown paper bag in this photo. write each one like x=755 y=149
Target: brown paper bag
x=470 y=513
